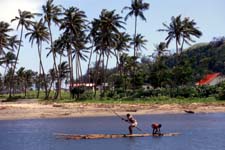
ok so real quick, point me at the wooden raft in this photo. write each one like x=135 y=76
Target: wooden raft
x=107 y=136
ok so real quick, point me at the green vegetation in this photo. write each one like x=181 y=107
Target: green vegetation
x=171 y=77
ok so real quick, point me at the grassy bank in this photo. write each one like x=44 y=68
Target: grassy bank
x=148 y=100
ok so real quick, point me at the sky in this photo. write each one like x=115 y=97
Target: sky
x=208 y=14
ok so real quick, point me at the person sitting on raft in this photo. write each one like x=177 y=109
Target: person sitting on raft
x=132 y=121
x=156 y=128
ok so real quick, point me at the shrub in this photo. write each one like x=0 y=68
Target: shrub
x=77 y=91
x=206 y=91
x=221 y=92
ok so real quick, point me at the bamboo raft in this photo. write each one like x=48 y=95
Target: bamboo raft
x=107 y=136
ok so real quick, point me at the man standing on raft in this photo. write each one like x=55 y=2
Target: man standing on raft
x=132 y=121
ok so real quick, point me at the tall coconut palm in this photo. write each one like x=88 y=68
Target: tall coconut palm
x=174 y=31
x=189 y=31
x=51 y=14
x=107 y=28
x=136 y=9
x=13 y=44
x=180 y=30
x=64 y=44
x=40 y=34
x=91 y=37
x=73 y=24
x=79 y=53
x=122 y=45
x=59 y=46
x=139 y=42
x=24 y=21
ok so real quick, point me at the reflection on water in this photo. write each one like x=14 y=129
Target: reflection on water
x=198 y=132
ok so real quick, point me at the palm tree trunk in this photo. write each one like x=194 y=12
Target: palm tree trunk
x=177 y=48
x=135 y=34
x=117 y=59
x=59 y=84
x=71 y=69
x=81 y=79
x=54 y=60
x=89 y=62
x=43 y=71
x=14 y=66
x=77 y=76
x=39 y=84
x=106 y=66
x=103 y=76
x=97 y=71
x=182 y=46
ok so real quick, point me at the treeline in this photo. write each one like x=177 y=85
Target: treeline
x=100 y=39
x=172 y=75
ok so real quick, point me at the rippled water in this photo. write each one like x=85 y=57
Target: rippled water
x=198 y=132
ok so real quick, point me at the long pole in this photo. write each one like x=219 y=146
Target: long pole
x=125 y=119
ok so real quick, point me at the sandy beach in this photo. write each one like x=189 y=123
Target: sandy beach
x=31 y=109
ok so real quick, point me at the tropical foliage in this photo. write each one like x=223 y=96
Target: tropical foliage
x=99 y=42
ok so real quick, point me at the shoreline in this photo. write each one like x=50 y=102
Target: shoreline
x=35 y=110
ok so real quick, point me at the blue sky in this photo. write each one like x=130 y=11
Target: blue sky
x=209 y=15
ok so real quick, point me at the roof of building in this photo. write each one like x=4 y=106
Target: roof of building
x=208 y=78
x=83 y=85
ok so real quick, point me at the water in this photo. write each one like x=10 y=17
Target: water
x=198 y=132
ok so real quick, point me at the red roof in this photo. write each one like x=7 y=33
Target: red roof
x=208 y=78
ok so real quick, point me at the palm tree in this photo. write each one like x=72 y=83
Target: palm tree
x=180 y=30
x=13 y=43
x=79 y=54
x=139 y=43
x=64 y=71
x=122 y=45
x=106 y=28
x=189 y=31
x=160 y=50
x=24 y=20
x=51 y=14
x=174 y=31
x=8 y=60
x=4 y=37
x=59 y=46
x=136 y=9
x=28 y=79
x=40 y=34
x=74 y=25
x=20 y=74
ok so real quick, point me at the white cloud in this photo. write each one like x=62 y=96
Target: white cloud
x=9 y=8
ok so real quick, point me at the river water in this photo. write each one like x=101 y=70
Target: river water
x=198 y=132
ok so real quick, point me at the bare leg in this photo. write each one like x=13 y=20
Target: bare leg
x=153 y=131
x=130 y=130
